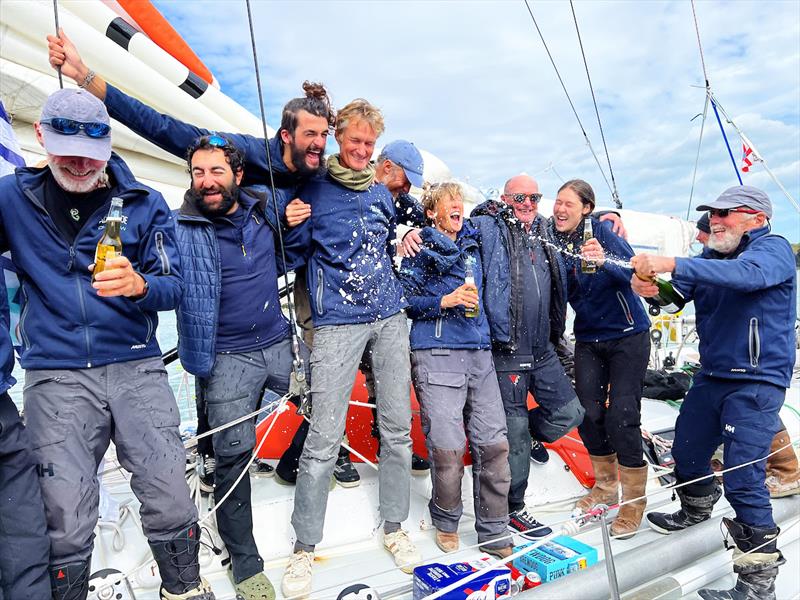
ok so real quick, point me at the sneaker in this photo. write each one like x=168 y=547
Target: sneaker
x=201 y=592
x=207 y=476
x=522 y=522
x=539 y=453
x=419 y=465
x=406 y=555
x=261 y=468
x=502 y=552
x=257 y=587
x=345 y=473
x=296 y=581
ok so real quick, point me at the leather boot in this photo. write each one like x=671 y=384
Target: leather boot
x=70 y=581
x=606 y=483
x=757 y=570
x=783 y=474
x=179 y=567
x=695 y=508
x=634 y=482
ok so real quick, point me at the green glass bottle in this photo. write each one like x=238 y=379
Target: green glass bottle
x=668 y=299
x=588 y=266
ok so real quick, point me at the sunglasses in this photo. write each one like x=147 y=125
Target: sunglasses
x=72 y=127
x=520 y=198
x=724 y=212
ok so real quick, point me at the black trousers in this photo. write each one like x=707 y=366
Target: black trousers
x=608 y=380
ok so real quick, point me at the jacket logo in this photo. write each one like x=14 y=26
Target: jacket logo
x=48 y=469
x=730 y=428
x=738 y=370
x=514 y=378
x=138 y=346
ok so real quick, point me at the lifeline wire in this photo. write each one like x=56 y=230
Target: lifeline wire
x=55 y=15
x=614 y=193
x=564 y=87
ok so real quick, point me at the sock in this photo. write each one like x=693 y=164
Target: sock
x=390 y=527
x=300 y=546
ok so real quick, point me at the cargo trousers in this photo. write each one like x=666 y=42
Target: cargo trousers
x=337 y=352
x=458 y=389
x=72 y=416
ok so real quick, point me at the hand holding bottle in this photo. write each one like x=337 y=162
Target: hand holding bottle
x=592 y=251
x=118 y=279
x=465 y=295
x=646 y=288
x=650 y=265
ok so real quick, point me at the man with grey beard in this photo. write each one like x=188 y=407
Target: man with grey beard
x=744 y=288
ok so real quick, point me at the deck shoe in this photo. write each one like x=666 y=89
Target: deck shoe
x=261 y=468
x=257 y=587
x=606 y=484
x=783 y=473
x=522 y=522
x=447 y=541
x=694 y=510
x=634 y=482
x=539 y=453
x=419 y=465
x=498 y=552
x=406 y=555
x=756 y=559
x=345 y=473
x=296 y=581
x=201 y=592
x=70 y=581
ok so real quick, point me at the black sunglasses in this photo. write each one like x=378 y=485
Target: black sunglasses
x=520 y=198
x=724 y=212
x=72 y=127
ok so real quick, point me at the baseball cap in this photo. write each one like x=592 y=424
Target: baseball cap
x=405 y=155
x=741 y=195
x=80 y=106
x=704 y=223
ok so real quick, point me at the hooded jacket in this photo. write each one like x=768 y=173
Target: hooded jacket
x=64 y=324
x=438 y=269
x=198 y=313
x=605 y=306
x=502 y=295
x=745 y=304
x=350 y=276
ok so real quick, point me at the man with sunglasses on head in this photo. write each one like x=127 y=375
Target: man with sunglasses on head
x=93 y=369
x=744 y=287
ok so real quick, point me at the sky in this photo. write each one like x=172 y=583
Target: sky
x=471 y=82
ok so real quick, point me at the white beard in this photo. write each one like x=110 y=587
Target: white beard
x=77 y=187
x=727 y=243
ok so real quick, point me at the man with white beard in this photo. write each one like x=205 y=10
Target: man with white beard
x=744 y=288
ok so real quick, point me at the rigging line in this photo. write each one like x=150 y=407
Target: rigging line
x=725 y=138
x=614 y=193
x=697 y=156
x=700 y=46
x=58 y=69
x=289 y=302
x=564 y=87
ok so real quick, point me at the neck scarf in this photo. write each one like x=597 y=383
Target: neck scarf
x=358 y=181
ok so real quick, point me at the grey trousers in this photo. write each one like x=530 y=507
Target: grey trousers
x=335 y=358
x=72 y=415
x=457 y=388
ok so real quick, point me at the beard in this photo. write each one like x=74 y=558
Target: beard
x=727 y=243
x=299 y=161
x=229 y=197
x=77 y=187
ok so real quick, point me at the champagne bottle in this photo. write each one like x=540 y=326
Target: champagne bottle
x=110 y=245
x=469 y=280
x=668 y=299
x=588 y=266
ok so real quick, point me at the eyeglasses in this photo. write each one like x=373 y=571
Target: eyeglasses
x=520 y=198
x=217 y=141
x=724 y=212
x=72 y=127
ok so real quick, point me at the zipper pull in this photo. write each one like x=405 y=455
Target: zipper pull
x=71 y=258
x=244 y=253
x=255 y=218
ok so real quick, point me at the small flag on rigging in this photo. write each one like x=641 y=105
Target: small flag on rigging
x=749 y=157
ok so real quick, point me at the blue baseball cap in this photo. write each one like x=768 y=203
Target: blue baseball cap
x=741 y=195
x=406 y=156
x=82 y=107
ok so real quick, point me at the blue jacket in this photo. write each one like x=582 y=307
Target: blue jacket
x=350 y=276
x=198 y=313
x=64 y=324
x=605 y=306
x=746 y=306
x=502 y=292
x=6 y=348
x=434 y=272
x=175 y=137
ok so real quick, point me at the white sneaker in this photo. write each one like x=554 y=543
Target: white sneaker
x=406 y=555
x=296 y=581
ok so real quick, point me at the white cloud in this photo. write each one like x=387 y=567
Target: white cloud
x=471 y=83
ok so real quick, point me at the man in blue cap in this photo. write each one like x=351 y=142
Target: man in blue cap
x=744 y=288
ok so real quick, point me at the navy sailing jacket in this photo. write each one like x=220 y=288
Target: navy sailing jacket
x=605 y=306
x=198 y=313
x=434 y=272
x=350 y=276
x=64 y=324
x=746 y=306
x=502 y=294
x=6 y=348
x=175 y=137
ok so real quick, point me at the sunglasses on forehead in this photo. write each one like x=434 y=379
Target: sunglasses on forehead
x=520 y=198
x=72 y=127
x=217 y=141
x=724 y=212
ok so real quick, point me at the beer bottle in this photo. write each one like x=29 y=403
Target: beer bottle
x=110 y=245
x=469 y=280
x=588 y=266
x=668 y=299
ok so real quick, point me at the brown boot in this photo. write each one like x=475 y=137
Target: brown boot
x=446 y=541
x=634 y=483
x=606 y=480
x=783 y=474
